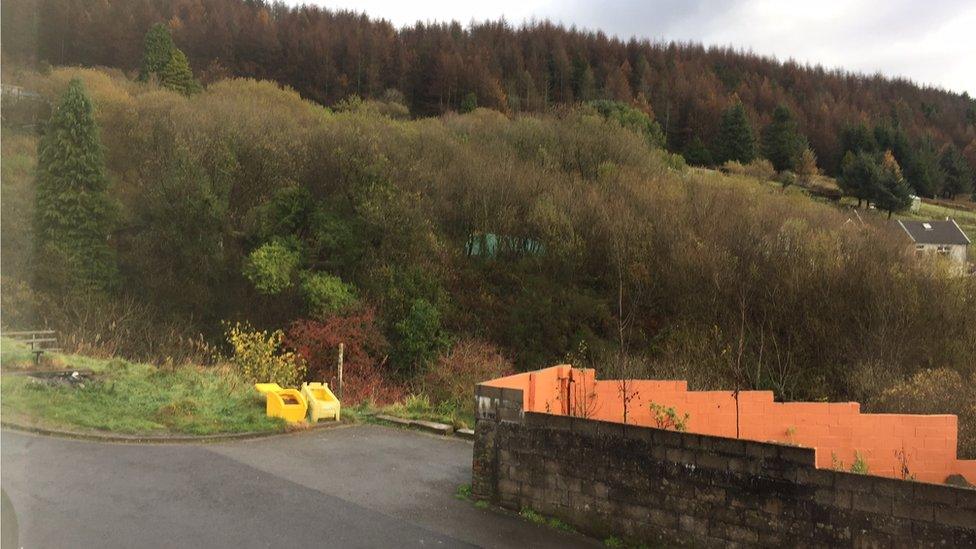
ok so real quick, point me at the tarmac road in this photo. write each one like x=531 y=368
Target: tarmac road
x=359 y=486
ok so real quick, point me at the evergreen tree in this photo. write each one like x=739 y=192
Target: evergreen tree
x=157 y=50
x=735 y=138
x=858 y=139
x=891 y=192
x=73 y=215
x=177 y=76
x=697 y=154
x=924 y=173
x=958 y=174
x=781 y=140
x=859 y=175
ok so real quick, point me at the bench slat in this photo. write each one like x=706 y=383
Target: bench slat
x=26 y=334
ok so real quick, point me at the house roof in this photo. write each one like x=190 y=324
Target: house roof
x=934 y=232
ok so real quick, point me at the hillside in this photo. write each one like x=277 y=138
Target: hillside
x=327 y=56
x=456 y=247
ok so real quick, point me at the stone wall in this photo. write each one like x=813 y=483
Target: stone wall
x=659 y=486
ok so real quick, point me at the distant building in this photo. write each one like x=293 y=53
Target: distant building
x=939 y=237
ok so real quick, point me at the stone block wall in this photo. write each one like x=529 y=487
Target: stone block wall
x=660 y=486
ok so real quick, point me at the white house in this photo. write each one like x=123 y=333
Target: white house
x=938 y=237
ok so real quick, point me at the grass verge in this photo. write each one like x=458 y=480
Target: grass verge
x=420 y=407
x=131 y=398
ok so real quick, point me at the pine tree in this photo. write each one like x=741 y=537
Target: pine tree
x=157 y=50
x=924 y=173
x=735 y=138
x=859 y=175
x=958 y=175
x=73 y=215
x=696 y=153
x=782 y=142
x=891 y=192
x=177 y=76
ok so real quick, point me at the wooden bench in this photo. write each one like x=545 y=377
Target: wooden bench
x=40 y=341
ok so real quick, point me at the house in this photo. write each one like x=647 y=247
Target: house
x=940 y=237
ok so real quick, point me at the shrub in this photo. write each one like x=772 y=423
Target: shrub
x=326 y=294
x=364 y=348
x=786 y=178
x=761 y=169
x=455 y=373
x=665 y=417
x=258 y=356
x=733 y=167
x=419 y=336
x=271 y=267
x=938 y=391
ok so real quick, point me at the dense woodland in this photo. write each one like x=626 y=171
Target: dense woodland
x=148 y=211
x=327 y=56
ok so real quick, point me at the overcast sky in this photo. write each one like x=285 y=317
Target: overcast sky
x=929 y=41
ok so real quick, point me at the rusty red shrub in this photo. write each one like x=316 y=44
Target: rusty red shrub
x=364 y=356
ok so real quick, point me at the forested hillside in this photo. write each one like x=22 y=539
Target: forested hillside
x=435 y=244
x=327 y=56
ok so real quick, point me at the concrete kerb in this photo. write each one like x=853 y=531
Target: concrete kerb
x=433 y=427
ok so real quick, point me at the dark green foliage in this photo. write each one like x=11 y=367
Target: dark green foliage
x=782 y=142
x=469 y=103
x=177 y=76
x=697 y=154
x=892 y=193
x=73 y=214
x=631 y=118
x=735 y=139
x=584 y=82
x=157 y=50
x=858 y=139
x=958 y=174
x=419 y=337
x=859 y=175
x=924 y=171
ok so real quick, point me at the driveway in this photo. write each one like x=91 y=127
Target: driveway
x=360 y=486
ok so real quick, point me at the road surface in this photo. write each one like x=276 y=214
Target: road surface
x=359 y=486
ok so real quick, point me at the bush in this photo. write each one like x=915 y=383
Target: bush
x=419 y=336
x=259 y=358
x=326 y=295
x=938 y=391
x=271 y=267
x=761 y=169
x=786 y=178
x=454 y=374
x=364 y=353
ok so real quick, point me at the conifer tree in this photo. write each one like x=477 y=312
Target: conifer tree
x=891 y=192
x=958 y=175
x=735 y=138
x=782 y=142
x=924 y=173
x=157 y=50
x=73 y=215
x=177 y=76
x=696 y=153
x=859 y=175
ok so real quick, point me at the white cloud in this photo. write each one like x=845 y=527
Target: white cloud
x=931 y=42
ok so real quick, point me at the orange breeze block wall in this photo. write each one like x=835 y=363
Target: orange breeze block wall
x=837 y=431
